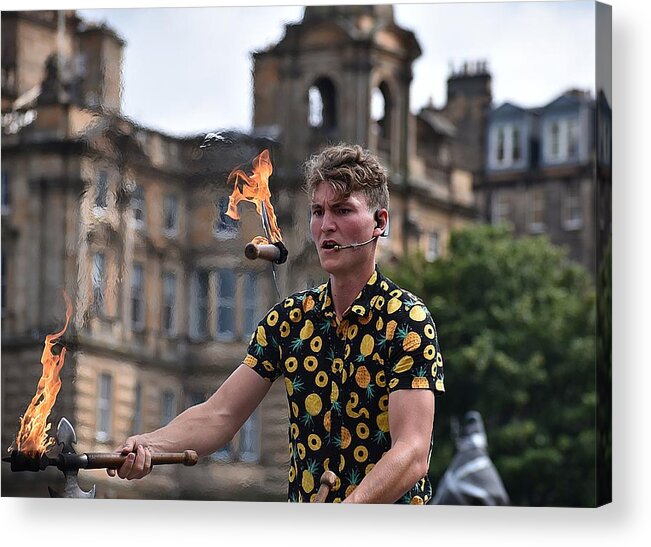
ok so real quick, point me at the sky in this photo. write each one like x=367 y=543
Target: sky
x=188 y=70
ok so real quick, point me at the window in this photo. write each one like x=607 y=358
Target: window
x=194 y=398
x=571 y=207
x=381 y=106
x=226 y=305
x=3 y=296
x=321 y=112
x=169 y=303
x=250 y=304
x=499 y=207
x=138 y=206
x=137 y=410
x=433 y=247
x=604 y=142
x=200 y=298
x=99 y=282
x=138 y=297
x=5 y=193
x=224 y=454
x=555 y=137
x=516 y=146
x=507 y=145
x=536 y=210
x=500 y=145
x=104 y=404
x=562 y=140
x=101 y=192
x=573 y=138
x=245 y=446
x=225 y=226
x=249 y=441
x=168 y=407
x=170 y=214
x=315 y=115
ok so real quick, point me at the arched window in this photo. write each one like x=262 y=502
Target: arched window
x=322 y=105
x=381 y=111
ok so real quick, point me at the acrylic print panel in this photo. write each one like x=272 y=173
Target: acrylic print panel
x=125 y=134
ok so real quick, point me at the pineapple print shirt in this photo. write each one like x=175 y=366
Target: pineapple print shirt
x=339 y=374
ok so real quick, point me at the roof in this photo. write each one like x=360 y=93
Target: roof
x=438 y=122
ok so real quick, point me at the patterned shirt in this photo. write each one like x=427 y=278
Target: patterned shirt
x=339 y=374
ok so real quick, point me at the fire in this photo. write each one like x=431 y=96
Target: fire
x=32 y=439
x=255 y=189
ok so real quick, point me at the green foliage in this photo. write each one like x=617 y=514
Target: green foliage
x=516 y=325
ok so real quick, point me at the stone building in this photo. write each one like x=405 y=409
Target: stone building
x=540 y=168
x=131 y=223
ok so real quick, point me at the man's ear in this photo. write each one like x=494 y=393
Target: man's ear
x=381 y=223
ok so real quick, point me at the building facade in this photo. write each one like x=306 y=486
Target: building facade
x=540 y=173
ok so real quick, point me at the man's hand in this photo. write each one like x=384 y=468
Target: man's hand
x=138 y=462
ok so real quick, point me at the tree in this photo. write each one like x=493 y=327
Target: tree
x=516 y=326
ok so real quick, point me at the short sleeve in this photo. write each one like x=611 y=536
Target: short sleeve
x=262 y=354
x=415 y=360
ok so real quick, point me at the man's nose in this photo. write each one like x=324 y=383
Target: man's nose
x=328 y=222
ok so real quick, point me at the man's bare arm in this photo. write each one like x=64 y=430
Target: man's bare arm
x=411 y=418
x=205 y=427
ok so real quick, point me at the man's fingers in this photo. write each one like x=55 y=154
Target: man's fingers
x=140 y=467
x=125 y=469
x=127 y=447
x=147 y=460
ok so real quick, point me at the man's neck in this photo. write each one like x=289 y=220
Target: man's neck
x=345 y=288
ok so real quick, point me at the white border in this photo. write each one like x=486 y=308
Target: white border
x=625 y=522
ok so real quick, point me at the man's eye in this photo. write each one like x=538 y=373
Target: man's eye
x=316 y=213
x=343 y=211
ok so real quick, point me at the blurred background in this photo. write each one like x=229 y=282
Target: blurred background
x=119 y=130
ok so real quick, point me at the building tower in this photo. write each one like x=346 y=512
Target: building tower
x=468 y=105
x=341 y=74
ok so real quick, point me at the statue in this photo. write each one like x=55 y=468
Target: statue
x=471 y=478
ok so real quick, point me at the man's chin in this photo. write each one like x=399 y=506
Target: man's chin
x=338 y=265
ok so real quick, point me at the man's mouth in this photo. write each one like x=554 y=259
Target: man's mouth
x=329 y=244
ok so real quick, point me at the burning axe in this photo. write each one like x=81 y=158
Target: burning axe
x=69 y=462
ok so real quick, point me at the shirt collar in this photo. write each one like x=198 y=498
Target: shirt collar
x=362 y=303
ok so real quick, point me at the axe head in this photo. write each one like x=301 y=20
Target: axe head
x=66 y=438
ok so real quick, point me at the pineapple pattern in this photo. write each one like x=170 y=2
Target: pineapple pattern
x=339 y=374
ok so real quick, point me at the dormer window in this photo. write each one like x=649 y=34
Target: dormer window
x=562 y=140
x=507 y=145
x=516 y=145
x=500 y=145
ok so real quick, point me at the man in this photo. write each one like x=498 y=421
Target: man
x=359 y=357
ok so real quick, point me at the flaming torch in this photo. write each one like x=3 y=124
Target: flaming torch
x=32 y=438
x=254 y=188
x=30 y=452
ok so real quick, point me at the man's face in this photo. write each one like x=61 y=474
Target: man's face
x=342 y=222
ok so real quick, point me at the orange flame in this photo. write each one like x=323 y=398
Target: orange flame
x=255 y=189
x=32 y=439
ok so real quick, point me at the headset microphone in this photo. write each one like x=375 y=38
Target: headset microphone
x=353 y=245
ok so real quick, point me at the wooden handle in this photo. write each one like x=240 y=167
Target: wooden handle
x=265 y=251
x=113 y=460
x=328 y=480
